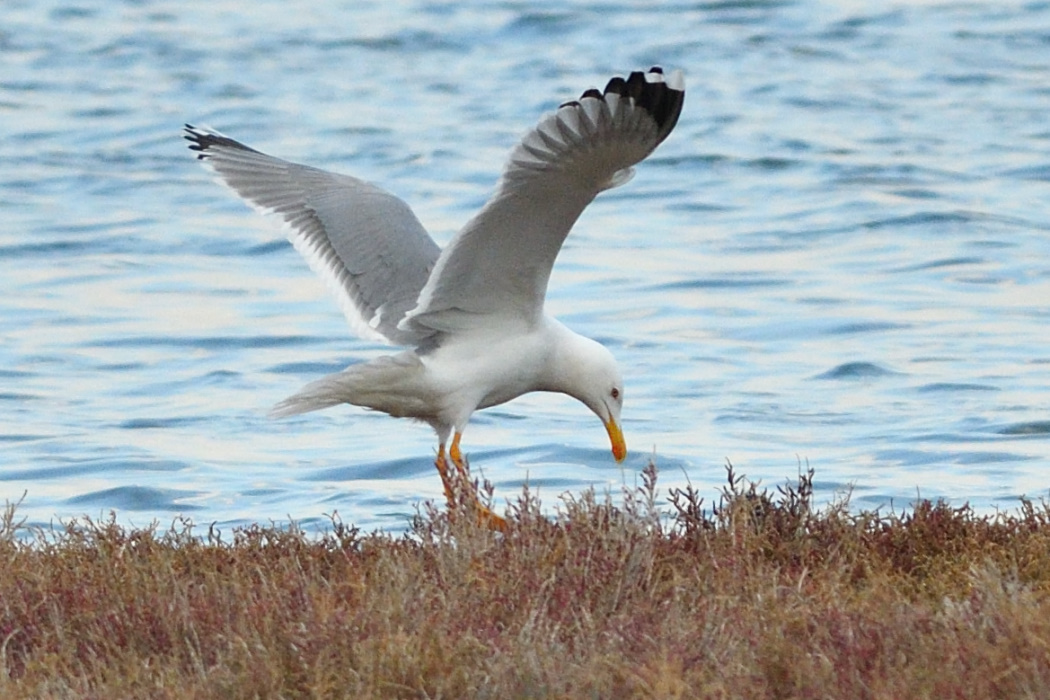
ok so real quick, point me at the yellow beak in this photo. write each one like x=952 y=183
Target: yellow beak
x=619 y=447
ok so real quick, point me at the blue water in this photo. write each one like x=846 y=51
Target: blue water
x=840 y=257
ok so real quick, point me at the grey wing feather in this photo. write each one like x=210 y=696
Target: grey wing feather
x=500 y=262
x=366 y=244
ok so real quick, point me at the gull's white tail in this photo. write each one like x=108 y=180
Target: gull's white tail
x=392 y=384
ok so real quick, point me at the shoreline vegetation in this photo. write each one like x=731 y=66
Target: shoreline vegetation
x=759 y=594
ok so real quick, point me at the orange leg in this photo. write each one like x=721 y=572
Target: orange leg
x=486 y=518
x=446 y=479
x=484 y=515
x=457 y=456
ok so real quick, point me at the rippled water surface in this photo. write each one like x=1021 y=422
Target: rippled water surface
x=841 y=256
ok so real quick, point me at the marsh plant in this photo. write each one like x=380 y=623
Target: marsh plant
x=760 y=594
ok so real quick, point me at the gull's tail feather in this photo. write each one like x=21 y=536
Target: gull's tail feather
x=390 y=384
x=324 y=393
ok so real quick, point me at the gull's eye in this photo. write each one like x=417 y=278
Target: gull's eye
x=615 y=393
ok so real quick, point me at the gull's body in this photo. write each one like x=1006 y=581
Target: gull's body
x=471 y=315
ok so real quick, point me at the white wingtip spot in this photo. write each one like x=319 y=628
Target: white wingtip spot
x=676 y=81
x=620 y=177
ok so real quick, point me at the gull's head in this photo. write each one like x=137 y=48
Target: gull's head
x=591 y=375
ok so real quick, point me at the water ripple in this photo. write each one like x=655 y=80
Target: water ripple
x=855 y=196
x=856 y=370
x=138 y=498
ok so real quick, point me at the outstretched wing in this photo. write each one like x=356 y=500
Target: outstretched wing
x=365 y=243
x=500 y=262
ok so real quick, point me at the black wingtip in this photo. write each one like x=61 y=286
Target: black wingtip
x=655 y=96
x=203 y=140
x=199 y=140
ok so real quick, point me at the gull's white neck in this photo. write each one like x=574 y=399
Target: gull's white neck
x=567 y=353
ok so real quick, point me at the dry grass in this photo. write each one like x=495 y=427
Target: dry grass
x=757 y=596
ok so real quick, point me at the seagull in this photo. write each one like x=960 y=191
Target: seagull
x=471 y=316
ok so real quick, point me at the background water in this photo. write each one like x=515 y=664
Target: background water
x=841 y=255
